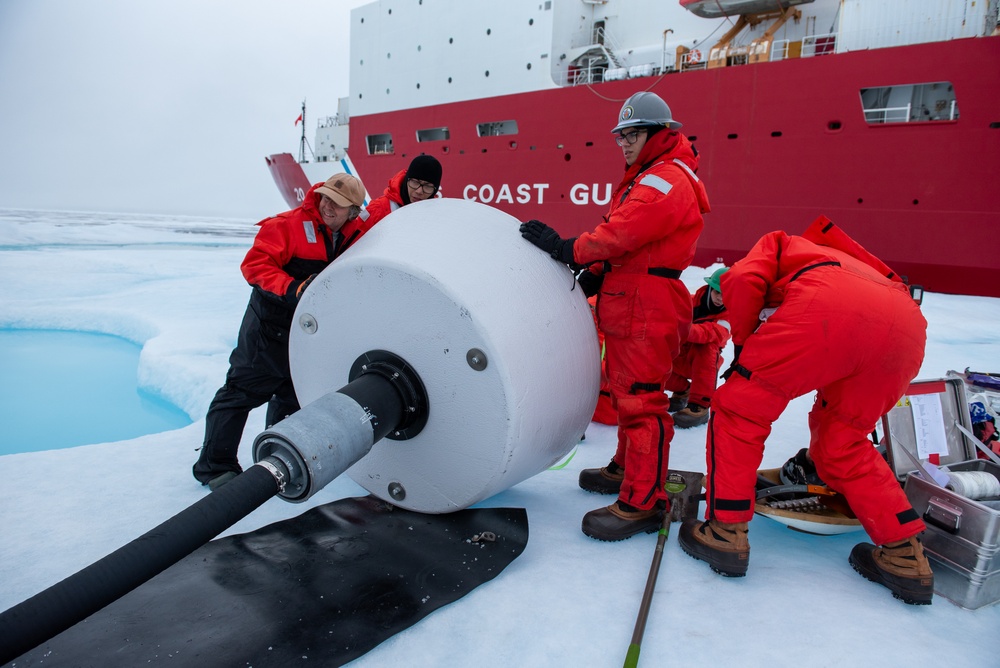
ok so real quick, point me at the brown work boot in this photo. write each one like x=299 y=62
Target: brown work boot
x=605 y=480
x=678 y=400
x=620 y=521
x=901 y=567
x=724 y=546
x=694 y=415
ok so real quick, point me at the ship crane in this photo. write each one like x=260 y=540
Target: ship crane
x=724 y=53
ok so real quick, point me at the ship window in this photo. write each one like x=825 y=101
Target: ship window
x=496 y=128
x=910 y=103
x=380 y=144
x=433 y=134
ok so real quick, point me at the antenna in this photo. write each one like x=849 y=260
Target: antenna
x=302 y=141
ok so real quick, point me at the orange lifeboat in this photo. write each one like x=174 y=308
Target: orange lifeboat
x=714 y=9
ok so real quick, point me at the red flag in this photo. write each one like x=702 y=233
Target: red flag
x=299 y=119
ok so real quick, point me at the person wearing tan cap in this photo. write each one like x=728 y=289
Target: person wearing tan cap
x=287 y=253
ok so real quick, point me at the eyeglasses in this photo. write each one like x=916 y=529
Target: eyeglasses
x=628 y=137
x=428 y=188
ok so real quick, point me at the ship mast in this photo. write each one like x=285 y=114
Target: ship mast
x=302 y=141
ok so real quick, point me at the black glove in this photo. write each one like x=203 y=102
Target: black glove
x=590 y=282
x=541 y=235
x=303 y=285
x=732 y=365
x=548 y=240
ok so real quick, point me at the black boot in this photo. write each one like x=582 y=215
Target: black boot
x=620 y=521
x=694 y=415
x=206 y=470
x=605 y=480
x=800 y=470
x=724 y=546
x=220 y=480
x=901 y=567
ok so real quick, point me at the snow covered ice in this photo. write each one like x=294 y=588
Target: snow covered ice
x=173 y=285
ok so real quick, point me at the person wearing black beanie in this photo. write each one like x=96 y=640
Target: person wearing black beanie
x=418 y=182
x=423 y=173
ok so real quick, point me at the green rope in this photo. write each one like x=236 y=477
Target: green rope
x=568 y=460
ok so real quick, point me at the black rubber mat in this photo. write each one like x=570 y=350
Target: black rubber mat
x=326 y=586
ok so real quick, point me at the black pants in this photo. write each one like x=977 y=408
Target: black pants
x=258 y=374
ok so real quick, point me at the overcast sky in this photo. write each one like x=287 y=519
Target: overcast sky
x=162 y=107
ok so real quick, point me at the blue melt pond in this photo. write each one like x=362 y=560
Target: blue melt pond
x=62 y=389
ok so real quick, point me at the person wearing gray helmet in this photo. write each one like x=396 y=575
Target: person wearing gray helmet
x=635 y=258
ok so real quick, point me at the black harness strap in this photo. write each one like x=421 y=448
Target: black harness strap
x=664 y=272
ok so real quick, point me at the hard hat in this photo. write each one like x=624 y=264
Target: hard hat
x=645 y=109
x=713 y=280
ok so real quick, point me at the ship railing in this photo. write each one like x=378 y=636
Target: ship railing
x=819 y=45
x=593 y=72
x=779 y=49
x=668 y=60
x=334 y=121
x=889 y=114
x=606 y=40
x=692 y=60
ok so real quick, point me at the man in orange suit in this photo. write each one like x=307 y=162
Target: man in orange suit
x=815 y=312
x=645 y=241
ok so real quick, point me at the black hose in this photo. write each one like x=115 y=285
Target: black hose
x=52 y=611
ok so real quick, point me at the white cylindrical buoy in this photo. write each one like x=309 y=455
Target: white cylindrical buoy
x=498 y=332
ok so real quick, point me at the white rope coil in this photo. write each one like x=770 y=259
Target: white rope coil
x=974 y=484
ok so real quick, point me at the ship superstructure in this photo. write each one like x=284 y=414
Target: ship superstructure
x=880 y=115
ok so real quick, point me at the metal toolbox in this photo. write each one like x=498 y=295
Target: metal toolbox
x=962 y=539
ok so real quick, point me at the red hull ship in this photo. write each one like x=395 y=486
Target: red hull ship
x=781 y=140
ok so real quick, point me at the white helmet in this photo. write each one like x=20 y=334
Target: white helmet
x=645 y=109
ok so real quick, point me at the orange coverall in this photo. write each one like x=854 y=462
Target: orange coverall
x=605 y=411
x=648 y=237
x=843 y=325
x=696 y=367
